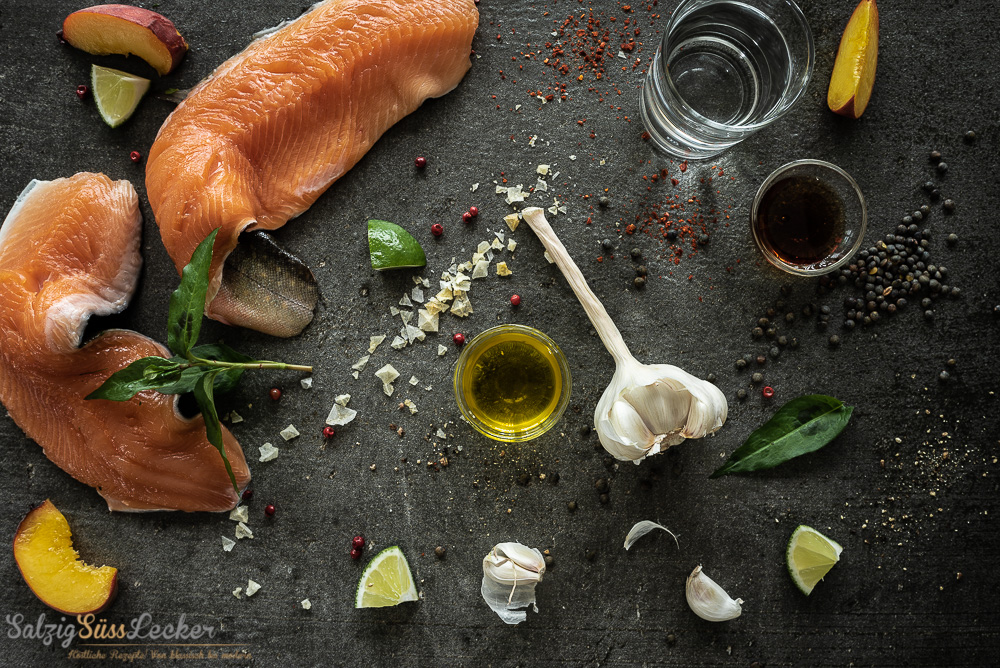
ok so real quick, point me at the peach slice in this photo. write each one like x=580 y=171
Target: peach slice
x=122 y=29
x=854 y=69
x=43 y=549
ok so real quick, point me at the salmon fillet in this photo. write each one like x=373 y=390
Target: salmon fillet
x=69 y=249
x=257 y=143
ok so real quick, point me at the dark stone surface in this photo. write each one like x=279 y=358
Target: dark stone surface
x=910 y=518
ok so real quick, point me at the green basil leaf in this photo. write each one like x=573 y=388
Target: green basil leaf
x=186 y=381
x=203 y=394
x=801 y=426
x=228 y=379
x=221 y=352
x=187 y=303
x=147 y=373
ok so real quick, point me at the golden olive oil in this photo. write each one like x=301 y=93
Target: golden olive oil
x=513 y=384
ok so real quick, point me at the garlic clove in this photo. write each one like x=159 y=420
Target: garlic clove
x=708 y=600
x=510 y=573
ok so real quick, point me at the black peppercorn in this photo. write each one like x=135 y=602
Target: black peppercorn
x=741 y=363
x=917 y=216
x=635 y=253
x=761 y=360
x=928 y=315
x=948 y=205
x=571 y=506
x=710 y=377
x=757 y=332
x=703 y=240
x=741 y=394
x=604 y=200
x=942 y=167
x=639 y=282
x=935 y=156
x=671 y=235
x=439 y=552
x=606 y=244
x=601 y=485
x=944 y=376
x=834 y=340
x=757 y=377
x=970 y=136
x=641 y=270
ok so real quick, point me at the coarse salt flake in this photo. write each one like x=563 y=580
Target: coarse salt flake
x=342 y=399
x=412 y=406
x=388 y=389
x=502 y=269
x=375 y=341
x=243 y=531
x=387 y=374
x=237 y=592
x=360 y=365
x=417 y=295
x=481 y=270
x=542 y=169
x=340 y=415
x=398 y=343
x=441 y=350
x=427 y=321
x=289 y=432
x=548 y=257
x=512 y=221
x=405 y=301
x=413 y=380
x=267 y=453
x=239 y=514
x=306 y=604
x=541 y=186
x=252 y=588
x=235 y=417
x=497 y=244
x=306 y=383
x=228 y=544
x=511 y=245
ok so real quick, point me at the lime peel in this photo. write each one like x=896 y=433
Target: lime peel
x=386 y=581
x=810 y=556
x=392 y=247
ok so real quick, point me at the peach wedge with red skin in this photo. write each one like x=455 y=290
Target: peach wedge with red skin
x=126 y=30
x=43 y=550
x=854 y=69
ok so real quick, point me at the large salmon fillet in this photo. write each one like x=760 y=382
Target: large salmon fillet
x=69 y=249
x=257 y=143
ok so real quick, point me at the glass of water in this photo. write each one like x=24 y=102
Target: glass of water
x=725 y=69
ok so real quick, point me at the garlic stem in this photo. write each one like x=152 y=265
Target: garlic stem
x=605 y=326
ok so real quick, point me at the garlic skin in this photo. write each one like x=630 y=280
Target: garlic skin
x=510 y=573
x=647 y=407
x=708 y=600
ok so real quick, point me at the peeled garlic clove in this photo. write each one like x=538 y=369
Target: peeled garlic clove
x=708 y=600
x=510 y=573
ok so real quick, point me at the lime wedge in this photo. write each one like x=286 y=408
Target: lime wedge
x=386 y=581
x=810 y=556
x=392 y=247
x=117 y=93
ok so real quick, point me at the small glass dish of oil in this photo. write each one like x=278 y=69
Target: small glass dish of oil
x=512 y=383
x=809 y=217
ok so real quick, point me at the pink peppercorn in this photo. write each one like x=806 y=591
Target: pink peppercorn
x=768 y=392
x=420 y=162
x=459 y=339
x=515 y=300
x=437 y=229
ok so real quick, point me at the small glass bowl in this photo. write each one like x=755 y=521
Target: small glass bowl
x=855 y=215
x=463 y=370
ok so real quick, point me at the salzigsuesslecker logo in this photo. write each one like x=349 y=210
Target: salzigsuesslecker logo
x=141 y=629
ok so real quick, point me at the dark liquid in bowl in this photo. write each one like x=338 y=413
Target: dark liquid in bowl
x=801 y=220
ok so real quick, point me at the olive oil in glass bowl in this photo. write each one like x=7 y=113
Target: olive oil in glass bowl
x=512 y=383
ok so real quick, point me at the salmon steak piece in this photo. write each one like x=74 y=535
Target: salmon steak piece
x=69 y=249
x=258 y=141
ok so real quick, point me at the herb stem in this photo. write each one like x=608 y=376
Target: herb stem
x=198 y=361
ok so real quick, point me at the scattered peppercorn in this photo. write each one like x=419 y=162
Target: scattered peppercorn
x=604 y=499
x=834 y=340
x=549 y=561
x=942 y=167
x=928 y=315
x=970 y=136
x=948 y=205
x=269 y=510
x=420 y=162
x=437 y=229
x=761 y=359
x=135 y=156
x=473 y=211
x=604 y=200
x=328 y=431
x=571 y=506
x=275 y=393
x=607 y=245
x=466 y=217
x=757 y=332
x=590 y=555
x=247 y=494
x=756 y=378
x=355 y=553
x=768 y=392
x=944 y=376
x=710 y=377
x=703 y=240
x=358 y=542
x=741 y=394
x=81 y=91
x=641 y=270
x=515 y=300
x=601 y=485
x=459 y=339
x=741 y=363
x=639 y=282
x=935 y=156
x=439 y=552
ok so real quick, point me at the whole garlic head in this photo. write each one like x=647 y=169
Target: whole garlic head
x=647 y=407
x=510 y=573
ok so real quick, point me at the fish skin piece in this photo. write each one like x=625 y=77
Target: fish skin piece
x=259 y=140
x=69 y=249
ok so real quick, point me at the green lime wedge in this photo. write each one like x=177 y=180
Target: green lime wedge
x=116 y=93
x=392 y=247
x=386 y=581
x=810 y=556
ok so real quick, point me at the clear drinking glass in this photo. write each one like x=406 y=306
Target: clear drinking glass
x=725 y=69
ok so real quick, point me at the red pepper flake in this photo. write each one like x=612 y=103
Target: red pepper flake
x=674 y=181
x=683 y=166
x=630 y=229
x=645 y=136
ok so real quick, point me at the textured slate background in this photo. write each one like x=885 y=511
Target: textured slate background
x=907 y=528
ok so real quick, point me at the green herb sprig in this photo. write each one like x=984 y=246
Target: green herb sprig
x=203 y=370
x=801 y=426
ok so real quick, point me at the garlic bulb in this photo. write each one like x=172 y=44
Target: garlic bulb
x=647 y=407
x=708 y=600
x=510 y=573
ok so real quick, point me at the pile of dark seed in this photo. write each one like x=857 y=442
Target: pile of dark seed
x=896 y=273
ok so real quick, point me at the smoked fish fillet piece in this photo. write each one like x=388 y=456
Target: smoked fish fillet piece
x=258 y=141
x=69 y=249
